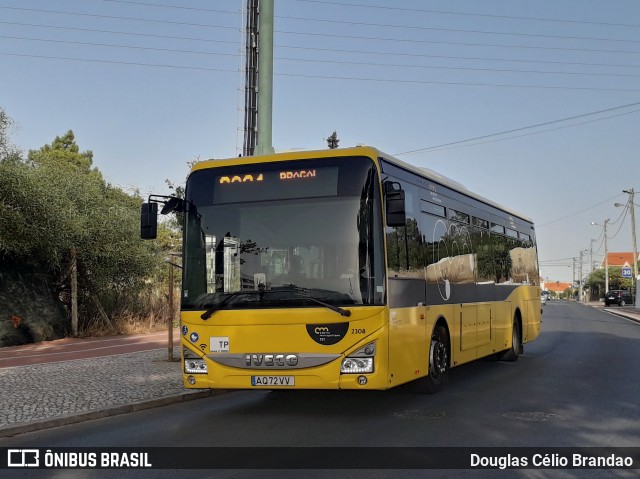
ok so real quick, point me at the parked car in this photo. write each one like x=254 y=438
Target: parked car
x=619 y=297
x=543 y=299
x=546 y=294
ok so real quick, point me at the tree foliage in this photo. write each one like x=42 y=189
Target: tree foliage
x=55 y=201
x=7 y=150
x=596 y=280
x=333 y=141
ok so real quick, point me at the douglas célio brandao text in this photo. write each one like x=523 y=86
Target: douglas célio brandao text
x=554 y=460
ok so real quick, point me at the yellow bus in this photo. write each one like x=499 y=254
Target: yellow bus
x=345 y=269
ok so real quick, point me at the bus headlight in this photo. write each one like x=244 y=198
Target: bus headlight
x=360 y=361
x=356 y=365
x=195 y=366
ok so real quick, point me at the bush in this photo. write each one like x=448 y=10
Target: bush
x=54 y=206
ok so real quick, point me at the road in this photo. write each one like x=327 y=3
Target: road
x=576 y=386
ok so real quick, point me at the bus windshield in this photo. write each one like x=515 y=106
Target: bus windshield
x=285 y=234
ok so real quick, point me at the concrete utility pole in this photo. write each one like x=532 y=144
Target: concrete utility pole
x=631 y=206
x=631 y=194
x=635 y=246
x=580 y=278
x=606 y=255
x=606 y=259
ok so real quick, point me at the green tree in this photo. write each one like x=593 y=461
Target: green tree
x=595 y=281
x=65 y=154
x=7 y=150
x=5 y=123
x=332 y=141
x=55 y=201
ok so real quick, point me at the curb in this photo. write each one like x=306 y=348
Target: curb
x=635 y=317
x=622 y=314
x=65 y=420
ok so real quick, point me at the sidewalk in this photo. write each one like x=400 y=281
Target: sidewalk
x=629 y=312
x=40 y=396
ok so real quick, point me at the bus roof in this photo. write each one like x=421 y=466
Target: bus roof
x=358 y=151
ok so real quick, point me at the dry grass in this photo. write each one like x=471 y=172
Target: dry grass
x=128 y=323
x=146 y=313
x=136 y=325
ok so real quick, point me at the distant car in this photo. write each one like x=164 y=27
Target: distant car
x=546 y=294
x=543 y=299
x=619 y=297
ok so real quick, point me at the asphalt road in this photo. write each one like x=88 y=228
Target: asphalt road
x=576 y=386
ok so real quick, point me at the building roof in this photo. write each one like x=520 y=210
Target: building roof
x=619 y=259
x=557 y=286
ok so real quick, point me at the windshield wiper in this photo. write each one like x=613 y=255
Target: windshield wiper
x=307 y=295
x=337 y=309
x=288 y=289
x=209 y=312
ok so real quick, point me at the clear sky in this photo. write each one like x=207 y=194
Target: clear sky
x=151 y=85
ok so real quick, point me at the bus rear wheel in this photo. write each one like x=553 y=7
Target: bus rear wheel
x=516 y=342
x=438 y=363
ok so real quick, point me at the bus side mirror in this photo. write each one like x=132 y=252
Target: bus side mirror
x=394 y=204
x=149 y=221
x=173 y=205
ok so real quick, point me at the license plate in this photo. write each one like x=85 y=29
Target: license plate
x=273 y=381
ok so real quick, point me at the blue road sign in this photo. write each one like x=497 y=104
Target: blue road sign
x=626 y=272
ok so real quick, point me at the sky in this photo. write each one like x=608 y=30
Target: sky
x=534 y=105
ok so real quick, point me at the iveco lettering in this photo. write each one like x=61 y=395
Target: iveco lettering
x=279 y=360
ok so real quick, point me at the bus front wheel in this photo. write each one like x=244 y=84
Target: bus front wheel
x=438 y=363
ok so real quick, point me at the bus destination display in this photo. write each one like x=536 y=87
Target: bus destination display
x=276 y=185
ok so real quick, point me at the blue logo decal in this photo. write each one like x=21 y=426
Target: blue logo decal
x=185 y=330
x=194 y=337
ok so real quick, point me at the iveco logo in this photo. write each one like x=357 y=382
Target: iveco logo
x=271 y=360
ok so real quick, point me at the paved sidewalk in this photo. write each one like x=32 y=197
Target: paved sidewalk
x=629 y=312
x=40 y=396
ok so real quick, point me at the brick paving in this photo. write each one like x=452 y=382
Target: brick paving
x=44 y=391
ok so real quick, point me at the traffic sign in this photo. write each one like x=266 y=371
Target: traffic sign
x=626 y=272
